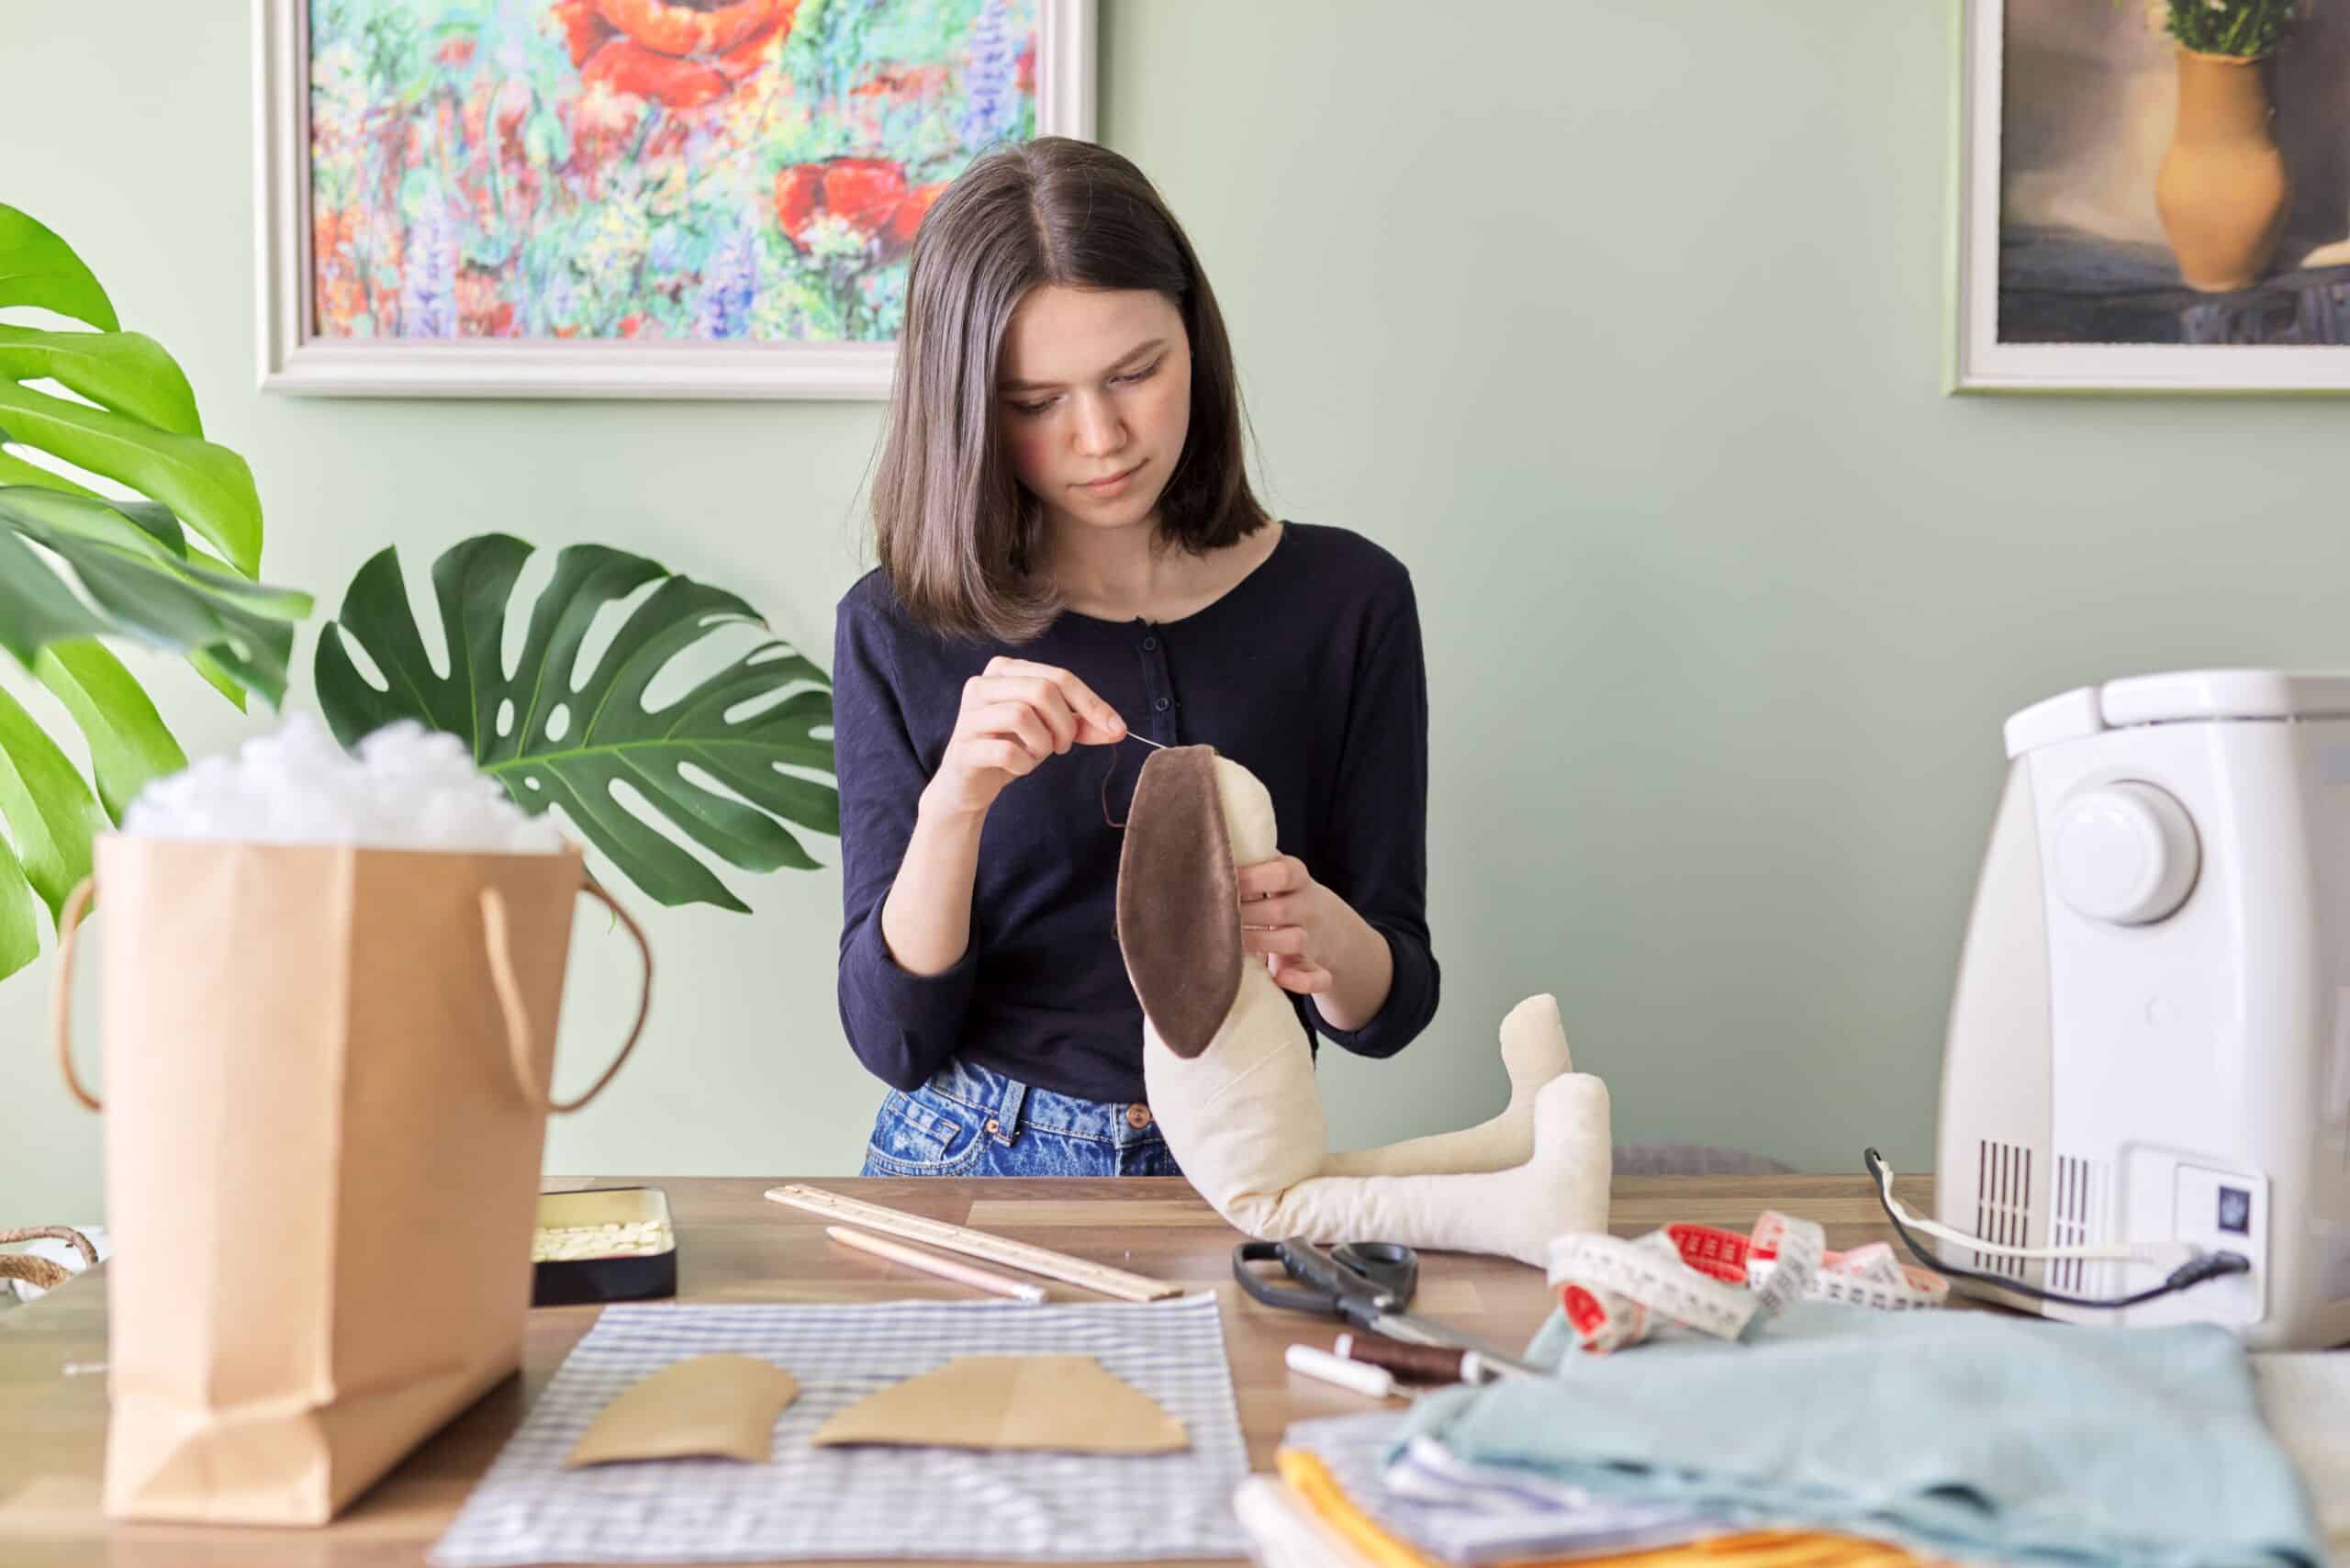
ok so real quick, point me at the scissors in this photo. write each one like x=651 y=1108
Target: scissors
x=1367 y=1284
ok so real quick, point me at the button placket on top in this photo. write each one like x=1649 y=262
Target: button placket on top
x=1158 y=687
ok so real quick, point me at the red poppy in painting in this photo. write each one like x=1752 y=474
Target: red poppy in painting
x=797 y=190
x=625 y=67
x=863 y=192
x=685 y=30
x=902 y=82
x=683 y=56
x=868 y=195
x=584 y=28
x=898 y=234
x=480 y=312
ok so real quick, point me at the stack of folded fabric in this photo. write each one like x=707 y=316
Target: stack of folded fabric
x=1834 y=1438
x=1339 y=1502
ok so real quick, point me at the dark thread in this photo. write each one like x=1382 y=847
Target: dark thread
x=1108 y=774
x=1113 y=772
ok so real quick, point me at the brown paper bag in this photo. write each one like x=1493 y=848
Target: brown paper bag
x=327 y=1076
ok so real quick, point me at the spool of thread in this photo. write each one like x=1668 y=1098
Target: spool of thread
x=1420 y=1363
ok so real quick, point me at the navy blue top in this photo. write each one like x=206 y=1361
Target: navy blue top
x=1308 y=672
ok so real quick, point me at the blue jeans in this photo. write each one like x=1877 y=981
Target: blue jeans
x=972 y=1121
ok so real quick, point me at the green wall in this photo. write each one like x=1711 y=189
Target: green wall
x=1620 y=324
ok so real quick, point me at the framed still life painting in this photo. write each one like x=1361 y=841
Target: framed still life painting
x=2153 y=195
x=624 y=198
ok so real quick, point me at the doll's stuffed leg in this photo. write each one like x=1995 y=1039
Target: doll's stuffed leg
x=1534 y=1051
x=1510 y=1213
x=1244 y=1116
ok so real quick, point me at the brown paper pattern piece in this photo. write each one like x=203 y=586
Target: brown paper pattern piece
x=1064 y=1404
x=721 y=1406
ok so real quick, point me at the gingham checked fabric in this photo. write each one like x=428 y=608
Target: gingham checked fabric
x=867 y=1502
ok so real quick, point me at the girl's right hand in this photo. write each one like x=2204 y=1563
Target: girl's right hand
x=1014 y=715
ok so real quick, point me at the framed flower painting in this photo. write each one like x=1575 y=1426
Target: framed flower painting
x=624 y=198
x=2153 y=195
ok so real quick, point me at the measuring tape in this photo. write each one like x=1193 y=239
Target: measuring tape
x=1706 y=1280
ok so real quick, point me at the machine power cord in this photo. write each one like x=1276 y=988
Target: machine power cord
x=2194 y=1271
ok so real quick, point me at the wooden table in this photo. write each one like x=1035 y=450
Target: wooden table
x=733 y=1245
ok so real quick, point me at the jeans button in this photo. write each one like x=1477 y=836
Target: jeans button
x=1138 y=1115
x=992 y=1125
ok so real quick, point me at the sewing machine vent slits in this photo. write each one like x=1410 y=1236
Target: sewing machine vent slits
x=2002 y=1204
x=2084 y=1188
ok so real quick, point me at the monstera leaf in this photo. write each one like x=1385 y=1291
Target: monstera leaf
x=143 y=431
x=133 y=564
x=711 y=763
x=76 y=566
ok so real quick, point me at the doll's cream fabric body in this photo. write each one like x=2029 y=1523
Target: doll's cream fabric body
x=1244 y=1119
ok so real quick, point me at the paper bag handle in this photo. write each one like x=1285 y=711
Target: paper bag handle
x=60 y=999
x=517 y=1017
x=501 y=971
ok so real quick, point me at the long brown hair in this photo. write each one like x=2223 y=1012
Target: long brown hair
x=958 y=537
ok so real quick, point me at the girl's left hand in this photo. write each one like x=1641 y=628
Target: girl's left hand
x=1296 y=922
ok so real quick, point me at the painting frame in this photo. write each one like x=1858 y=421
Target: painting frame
x=1975 y=360
x=294 y=360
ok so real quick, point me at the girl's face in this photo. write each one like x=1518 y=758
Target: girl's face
x=1094 y=399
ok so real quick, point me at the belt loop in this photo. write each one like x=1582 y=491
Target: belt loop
x=1005 y=1123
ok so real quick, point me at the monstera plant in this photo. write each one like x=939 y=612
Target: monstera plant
x=737 y=764
x=165 y=559
x=716 y=762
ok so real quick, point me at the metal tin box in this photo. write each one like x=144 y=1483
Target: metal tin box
x=571 y=1281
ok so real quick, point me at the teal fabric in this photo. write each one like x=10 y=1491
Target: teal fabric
x=1971 y=1434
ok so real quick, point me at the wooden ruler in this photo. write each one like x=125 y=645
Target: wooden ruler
x=977 y=1243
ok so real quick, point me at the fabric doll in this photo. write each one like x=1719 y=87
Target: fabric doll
x=1230 y=1074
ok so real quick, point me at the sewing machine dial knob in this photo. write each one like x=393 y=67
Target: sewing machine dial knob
x=2124 y=852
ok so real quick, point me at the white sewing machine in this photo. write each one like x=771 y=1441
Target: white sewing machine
x=2150 y=1044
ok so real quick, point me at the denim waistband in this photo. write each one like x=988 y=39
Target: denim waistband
x=1007 y=1105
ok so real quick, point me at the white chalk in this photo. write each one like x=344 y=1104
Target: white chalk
x=1361 y=1377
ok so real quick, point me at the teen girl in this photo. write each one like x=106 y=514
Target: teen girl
x=1071 y=562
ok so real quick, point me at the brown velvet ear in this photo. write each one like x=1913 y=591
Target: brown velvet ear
x=1179 y=901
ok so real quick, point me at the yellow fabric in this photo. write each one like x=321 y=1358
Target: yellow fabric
x=1312 y=1481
